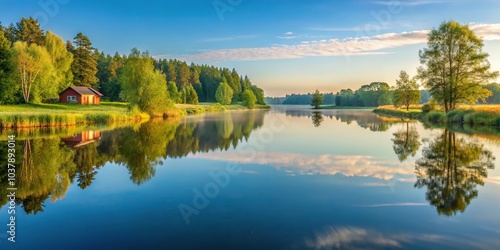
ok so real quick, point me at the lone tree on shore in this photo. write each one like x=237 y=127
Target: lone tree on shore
x=454 y=66
x=317 y=99
x=406 y=92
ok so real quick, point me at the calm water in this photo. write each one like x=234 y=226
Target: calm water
x=287 y=178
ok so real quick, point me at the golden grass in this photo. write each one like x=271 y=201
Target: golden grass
x=492 y=108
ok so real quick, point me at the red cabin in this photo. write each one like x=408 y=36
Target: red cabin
x=81 y=95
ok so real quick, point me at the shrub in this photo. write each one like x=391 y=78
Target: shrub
x=436 y=116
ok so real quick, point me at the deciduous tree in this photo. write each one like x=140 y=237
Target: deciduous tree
x=224 y=94
x=454 y=66
x=406 y=92
x=248 y=99
x=317 y=99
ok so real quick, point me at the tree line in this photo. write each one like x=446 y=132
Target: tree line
x=300 y=99
x=36 y=65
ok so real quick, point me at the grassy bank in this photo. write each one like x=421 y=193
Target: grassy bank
x=62 y=115
x=213 y=107
x=472 y=115
x=414 y=112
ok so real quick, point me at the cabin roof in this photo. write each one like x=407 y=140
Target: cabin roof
x=84 y=90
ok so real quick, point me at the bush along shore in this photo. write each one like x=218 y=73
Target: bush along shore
x=476 y=115
x=65 y=115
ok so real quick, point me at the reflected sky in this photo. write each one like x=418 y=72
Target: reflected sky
x=339 y=185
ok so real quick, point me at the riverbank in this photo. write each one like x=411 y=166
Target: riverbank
x=192 y=109
x=64 y=115
x=472 y=115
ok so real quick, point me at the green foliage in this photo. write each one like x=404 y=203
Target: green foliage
x=317 y=99
x=28 y=30
x=370 y=95
x=84 y=66
x=495 y=90
x=224 y=94
x=386 y=98
x=34 y=72
x=248 y=98
x=61 y=60
x=430 y=106
x=406 y=92
x=9 y=90
x=173 y=92
x=454 y=66
x=435 y=117
x=191 y=96
x=259 y=94
x=205 y=80
x=108 y=69
x=143 y=85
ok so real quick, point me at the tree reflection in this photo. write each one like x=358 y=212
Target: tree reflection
x=317 y=119
x=44 y=171
x=450 y=169
x=363 y=119
x=47 y=164
x=406 y=142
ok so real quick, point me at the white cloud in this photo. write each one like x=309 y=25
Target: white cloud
x=289 y=33
x=353 y=46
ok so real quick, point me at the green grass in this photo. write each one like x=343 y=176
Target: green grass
x=214 y=107
x=413 y=113
x=54 y=115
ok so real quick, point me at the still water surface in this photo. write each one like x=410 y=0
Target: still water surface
x=287 y=178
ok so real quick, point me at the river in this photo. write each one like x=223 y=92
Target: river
x=287 y=178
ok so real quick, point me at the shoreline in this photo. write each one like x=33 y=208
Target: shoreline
x=27 y=116
x=477 y=115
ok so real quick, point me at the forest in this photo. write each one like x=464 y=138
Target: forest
x=36 y=65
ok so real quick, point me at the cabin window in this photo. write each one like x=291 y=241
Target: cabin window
x=71 y=98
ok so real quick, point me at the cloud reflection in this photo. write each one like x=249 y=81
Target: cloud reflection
x=325 y=164
x=360 y=238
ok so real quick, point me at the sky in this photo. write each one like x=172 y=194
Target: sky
x=283 y=46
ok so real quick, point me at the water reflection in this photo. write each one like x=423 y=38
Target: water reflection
x=406 y=141
x=363 y=118
x=49 y=164
x=317 y=119
x=451 y=167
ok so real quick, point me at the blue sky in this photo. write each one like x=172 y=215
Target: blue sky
x=283 y=46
